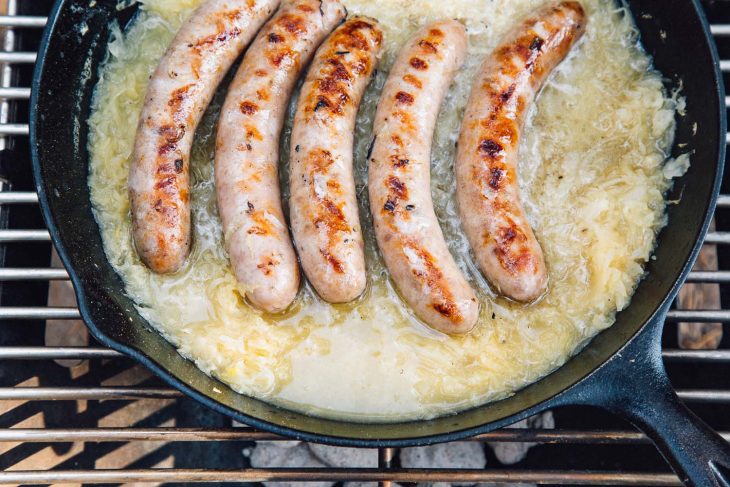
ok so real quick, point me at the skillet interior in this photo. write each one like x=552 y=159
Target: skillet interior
x=66 y=74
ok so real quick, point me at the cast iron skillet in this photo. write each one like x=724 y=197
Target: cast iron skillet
x=620 y=370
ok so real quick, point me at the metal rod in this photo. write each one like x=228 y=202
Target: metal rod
x=722 y=238
x=6 y=71
x=18 y=197
x=21 y=274
x=83 y=353
x=22 y=21
x=723 y=201
x=30 y=313
x=91 y=393
x=709 y=276
x=14 y=129
x=518 y=435
x=44 y=313
x=100 y=393
x=249 y=434
x=696 y=355
x=385 y=462
x=15 y=93
x=17 y=57
x=560 y=477
x=57 y=353
x=705 y=396
x=700 y=315
x=24 y=236
x=31 y=274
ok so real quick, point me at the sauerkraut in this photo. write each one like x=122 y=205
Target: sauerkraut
x=593 y=174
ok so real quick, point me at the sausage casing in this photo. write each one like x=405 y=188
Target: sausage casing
x=178 y=93
x=488 y=196
x=408 y=233
x=323 y=204
x=247 y=150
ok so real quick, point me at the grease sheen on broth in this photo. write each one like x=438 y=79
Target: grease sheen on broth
x=592 y=173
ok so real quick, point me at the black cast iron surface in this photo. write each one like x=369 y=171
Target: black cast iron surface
x=662 y=277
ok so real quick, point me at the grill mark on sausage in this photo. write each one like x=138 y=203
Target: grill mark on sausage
x=333 y=261
x=262 y=226
x=413 y=81
x=248 y=108
x=496 y=177
x=253 y=133
x=171 y=135
x=294 y=24
x=397 y=187
x=418 y=63
x=404 y=98
x=513 y=254
x=210 y=42
x=430 y=275
x=399 y=161
x=267 y=265
x=490 y=148
x=428 y=46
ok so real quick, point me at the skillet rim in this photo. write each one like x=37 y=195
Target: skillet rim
x=418 y=439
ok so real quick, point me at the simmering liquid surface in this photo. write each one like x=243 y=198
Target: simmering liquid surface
x=593 y=172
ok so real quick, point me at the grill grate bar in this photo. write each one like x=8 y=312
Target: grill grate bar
x=22 y=274
x=10 y=57
x=91 y=393
x=58 y=353
x=24 y=236
x=18 y=197
x=720 y=30
x=35 y=274
x=531 y=435
x=106 y=393
x=702 y=315
x=38 y=313
x=14 y=129
x=83 y=353
x=15 y=93
x=50 y=313
x=722 y=238
x=561 y=477
x=51 y=273
x=22 y=21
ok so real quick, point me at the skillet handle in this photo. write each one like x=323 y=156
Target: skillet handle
x=697 y=454
x=634 y=384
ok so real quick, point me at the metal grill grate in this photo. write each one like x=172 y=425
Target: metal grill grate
x=586 y=448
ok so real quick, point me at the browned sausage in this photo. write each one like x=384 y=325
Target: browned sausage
x=178 y=93
x=408 y=232
x=247 y=150
x=323 y=203
x=486 y=163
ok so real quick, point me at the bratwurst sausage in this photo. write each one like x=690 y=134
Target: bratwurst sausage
x=247 y=150
x=407 y=230
x=323 y=203
x=178 y=93
x=486 y=163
